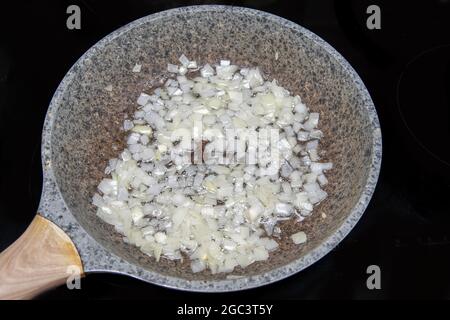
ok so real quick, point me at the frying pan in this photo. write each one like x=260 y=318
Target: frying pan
x=82 y=131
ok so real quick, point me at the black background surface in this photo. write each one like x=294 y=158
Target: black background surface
x=406 y=68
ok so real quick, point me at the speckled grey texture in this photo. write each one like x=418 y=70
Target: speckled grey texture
x=82 y=131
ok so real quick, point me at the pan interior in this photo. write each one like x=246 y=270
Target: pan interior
x=87 y=127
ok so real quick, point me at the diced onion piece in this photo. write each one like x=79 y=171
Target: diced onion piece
x=143 y=99
x=299 y=237
x=147 y=130
x=172 y=68
x=184 y=60
x=137 y=68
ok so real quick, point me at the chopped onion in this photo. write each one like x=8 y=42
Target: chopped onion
x=137 y=68
x=299 y=237
x=202 y=198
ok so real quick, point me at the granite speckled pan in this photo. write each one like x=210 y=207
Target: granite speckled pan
x=82 y=131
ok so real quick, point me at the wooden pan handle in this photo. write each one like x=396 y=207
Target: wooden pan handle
x=37 y=261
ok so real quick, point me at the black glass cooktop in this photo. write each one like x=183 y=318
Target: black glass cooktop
x=406 y=68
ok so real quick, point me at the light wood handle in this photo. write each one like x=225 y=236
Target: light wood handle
x=37 y=261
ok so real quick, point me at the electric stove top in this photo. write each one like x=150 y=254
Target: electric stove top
x=406 y=68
